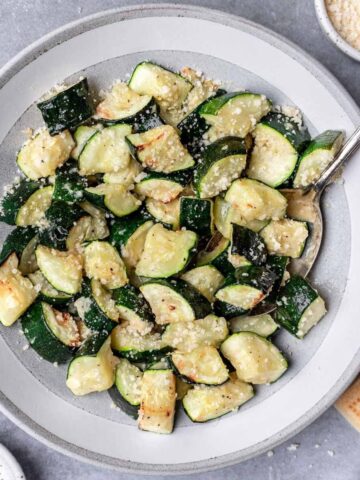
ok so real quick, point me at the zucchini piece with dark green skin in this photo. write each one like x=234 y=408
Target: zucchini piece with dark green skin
x=197 y=215
x=115 y=198
x=243 y=290
x=221 y=162
x=299 y=307
x=166 y=213
x=96 y=307
x=127 y=391
x=14 y=198
x=286 y=237
x=69 y=185
x=68 y=108
x=318 y=155
x=262 y=324
x=249 y=244
x=206 y=280
x=127 y=343
x=278 y=266
x=278 y=141
x=81 y=135
x=216 y=253
x=52 y=334
x=162 y=187
x=202 y=365
x=133 y=308
x=19 y=241
x=93 y=368
x=174 y=300
x=47 y=292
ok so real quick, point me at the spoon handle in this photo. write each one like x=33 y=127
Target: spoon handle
x=346 y=151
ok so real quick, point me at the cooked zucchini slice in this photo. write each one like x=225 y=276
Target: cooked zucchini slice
x=69 y=186
x=103 y=263
x=133 y=308
x=234 y=114
x=160 y=150
x=126 y=176
x=41 y=155
x=81 y=136
x=285 y=237
x=130 y=344
x=202 y=404
x=206 y=280
x=128 y=380
x=23 y=242
x=92 y=370
x=182 y=388
x=318 y=155
x=278 y=141
x=255 y=359
x=47 y=292
x=221 y=162
x=299 y=307
x=16 y=292
x=86 y=229
x=106 y=151
x=68 y=108
x=63 y=270
x=243 y=290
x=201 y=365
x=249 y=244
x=158 y=398
x=168 y=88
x=262 y=325
x=166 y=213
x=186 y=336
x=197 y=215
x=252 y=200
x=51 y=333
x=165 y=252
x=96 y=307
x=174 y=301
x=159 y=186
x=216 y=253
x=115 y=198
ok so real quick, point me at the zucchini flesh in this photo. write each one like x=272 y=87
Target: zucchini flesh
x=130 y=344
x=262 y=325
x=126 y=176
x=174 y=301
x=63 y=270
x=164 y=188
x=216 y=253
x=81 y=136
x=197 y=215
x=206 y=280
x=166 y=213
x=255 y=359
x=202 y=404
x=128 y=379
x=14 y=197
x=40 y=156
x=92 y=370
x=158 y=397
x=285 y=237
x=299 y=307
x=106 y=151
x=186 y=336
x=103 y=263
x=318 y=155
x=252 y=200
x=86 y=229
x=160 y=150
x=115 y=198
x=165 y=252
x=134 y=309
x=234 y=114
x=33 y=211
x=46 y=291
x=222 y=162
x=16 y=292
x=249 y=244
x=201 y=365
x=68 y=108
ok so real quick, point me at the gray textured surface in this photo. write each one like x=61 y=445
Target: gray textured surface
x=328 y=449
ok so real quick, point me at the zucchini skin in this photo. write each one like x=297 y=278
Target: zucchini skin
x=14 y=199
x=323 y=141
x=278 y=266
x=131 y=298
x=122 y=229
x=298 y=137
x=68 y=108
x=16 y=242
x=197 y=215
x=94 y=317
x=126 y=407
x=69 y=185
x=293 y=299
x=40 y=337
x=148 y=356
x=92 y=344
x=249 y=244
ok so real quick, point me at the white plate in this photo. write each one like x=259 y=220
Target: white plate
x=9 y=466
x=107 y=46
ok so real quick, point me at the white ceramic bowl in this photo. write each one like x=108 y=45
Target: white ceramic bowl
x=331 y=31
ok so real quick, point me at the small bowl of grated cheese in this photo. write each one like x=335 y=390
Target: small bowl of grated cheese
x=340 y=20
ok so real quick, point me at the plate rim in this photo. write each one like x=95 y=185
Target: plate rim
x=115 y=15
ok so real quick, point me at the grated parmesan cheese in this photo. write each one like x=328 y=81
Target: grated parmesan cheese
x=345 y=16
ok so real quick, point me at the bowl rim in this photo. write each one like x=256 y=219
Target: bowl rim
x=331 y=32
x=69 y=30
